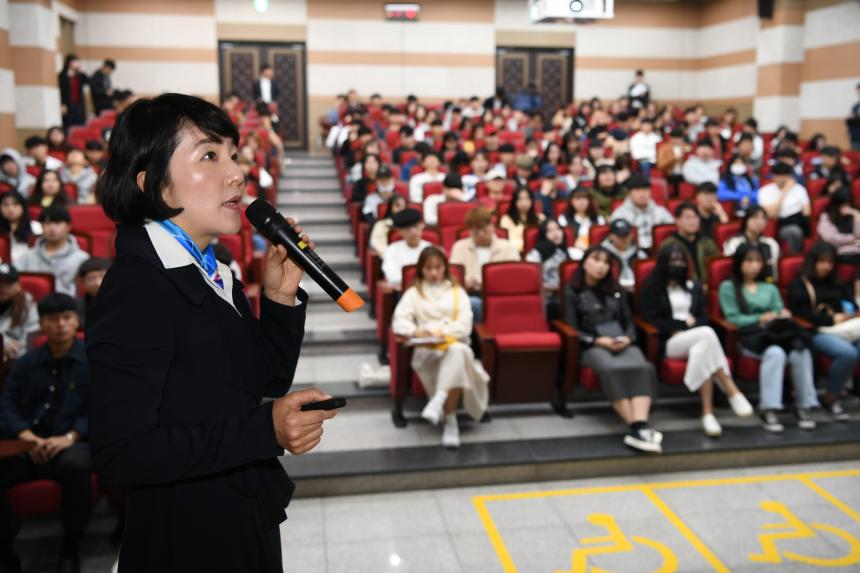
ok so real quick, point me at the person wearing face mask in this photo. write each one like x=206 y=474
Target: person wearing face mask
x=674 y=303
x=739 y=185
x=18 y=314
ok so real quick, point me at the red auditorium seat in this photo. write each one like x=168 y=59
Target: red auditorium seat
x=72 y=191
x=819 y=204
x=573 y=371
x=38 y=284
x=5 y=248
x=725 y=231
x=433 y=188
x=403 y=380
x=452 y=216
x=519 y=351
x=659 y=234
x=43 y=496
x=92 y=220
x=815 y=187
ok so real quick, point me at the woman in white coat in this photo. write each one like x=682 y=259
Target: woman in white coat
x=436 y=309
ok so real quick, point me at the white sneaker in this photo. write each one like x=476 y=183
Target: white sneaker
x=711 y=426
x=435 y=408
x=740 y=405
x=451 y=432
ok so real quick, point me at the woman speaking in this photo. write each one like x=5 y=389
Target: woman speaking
x=179 y=363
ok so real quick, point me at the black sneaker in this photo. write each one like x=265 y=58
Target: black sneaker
x=804 y=420
x=770 y=422
x=643 y=441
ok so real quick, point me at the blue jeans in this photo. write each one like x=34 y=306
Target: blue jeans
x=645 y=168
x=844 y=355
x=772 y=371
x=477 y=309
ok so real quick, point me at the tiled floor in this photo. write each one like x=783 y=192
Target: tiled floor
x=701 y=521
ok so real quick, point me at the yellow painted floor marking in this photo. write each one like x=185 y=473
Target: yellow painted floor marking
x=838 y=503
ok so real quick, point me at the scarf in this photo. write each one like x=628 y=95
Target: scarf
x=206 y=259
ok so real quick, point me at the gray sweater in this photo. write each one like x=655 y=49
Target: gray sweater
x=63 y=264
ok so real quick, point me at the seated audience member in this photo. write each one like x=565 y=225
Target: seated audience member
x=577 y=172
x=366 y=184
x=37 y=154
x=817 y=296
x=49 y=191
x=641 y=210
x=452 y=192
x=407 y=143
x=643 y=146
x=521 y=214
x=675 y=304
x=738 y=184
x=95 y=153
x=57 y=141
x=495 y=187
x=507 y=157
x=702 y=166
x=385 y=188
x=753 y=226
x=78 y=171
x=711 y=212
x=436 y=306
x=830 y=166
x=839 y=225
x=786 y=200
x=690 y=237
x=552 y=153
x=621 y=245
x=749 y=131
x=713 y=136
x=379 y=232
x=597 y=308
x=580 y=214
x=45 y=402
x=478 y=168
x=482 y=246
x=13 y=172
x=92 y=272
x=430 y=162
x=57 y=252
x=549 y=189
x=15 y=223
x=550 y=250
x=405 y=251
x=18 y=316
x=670 y=158
x=525 y=174
x=755 y=307
x=606 y=189
x=789 y=156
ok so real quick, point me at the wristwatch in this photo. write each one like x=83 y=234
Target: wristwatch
x=71 y=437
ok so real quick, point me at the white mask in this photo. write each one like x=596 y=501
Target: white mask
x=739 y=169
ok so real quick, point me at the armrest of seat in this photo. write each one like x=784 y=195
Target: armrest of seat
x=731 y=334
x=488 y=348
x=652 y=339
x=384 y=308
x=572 y=347
x=400 y=360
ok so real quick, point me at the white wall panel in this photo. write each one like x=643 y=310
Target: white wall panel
x=828 y=99
x=32 y=25
x=37 y=107
x=7 y=91
x=146 y=30
x=773 y=111
x=833 y=25
x=781 y=44
x=279 y=12
x=424 y=37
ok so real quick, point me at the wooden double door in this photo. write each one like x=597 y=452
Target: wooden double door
x=550 y=69
x=239 y=67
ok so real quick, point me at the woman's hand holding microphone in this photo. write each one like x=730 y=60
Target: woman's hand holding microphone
x=296 y=431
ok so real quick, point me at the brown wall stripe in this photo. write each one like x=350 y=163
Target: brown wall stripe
x=261 y=32
x=33 y=66
x=45 y=3
x=173 y=7
x=197 y=55
x=779 y=79
x=5 y=50
x=832 y=62
x=8 y=135
x=834 y=129
x=786 y=13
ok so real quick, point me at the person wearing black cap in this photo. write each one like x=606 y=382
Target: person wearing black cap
x=385 y=189
x=45 y=402
x=18 y=316
x=452 y=192
x=620 y=243
x=641 y=210
x=405 y=251
x=787 y=201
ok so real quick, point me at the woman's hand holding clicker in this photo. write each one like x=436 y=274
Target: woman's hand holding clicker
x=296 y=431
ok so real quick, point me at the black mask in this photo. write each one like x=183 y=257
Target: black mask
x=676 y=273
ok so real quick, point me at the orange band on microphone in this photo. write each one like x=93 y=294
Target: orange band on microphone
x=349 y=301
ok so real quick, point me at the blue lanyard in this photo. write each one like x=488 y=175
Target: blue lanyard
x=206 y=259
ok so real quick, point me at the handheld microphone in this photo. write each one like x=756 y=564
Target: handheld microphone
x=272 y=225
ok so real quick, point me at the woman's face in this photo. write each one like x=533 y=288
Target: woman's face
x=580 y=203
x=752 y=265
x=8 y=291
x=756 y=224
x=434 y=270
x=554 y=234
x=56 y=137
x=11 y=209
x=51 y=184
x=823 y=267
x=207 y=184
x=596 y=266
x=553 y=153
x=606 y=179
x=524 y=202
x=371 y=167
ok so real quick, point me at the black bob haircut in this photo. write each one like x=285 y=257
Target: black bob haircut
x=56 y=303
x=144 y=139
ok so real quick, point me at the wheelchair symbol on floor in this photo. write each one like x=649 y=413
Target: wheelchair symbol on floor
x=795 y=528
x=616 y=541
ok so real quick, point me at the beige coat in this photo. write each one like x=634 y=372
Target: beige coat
x=464 y=252
x=451 y=368
x=379 y=235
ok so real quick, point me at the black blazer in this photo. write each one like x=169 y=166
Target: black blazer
x=175 y=419
x=258 y=91
x=655 y=308
x=586 y=309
